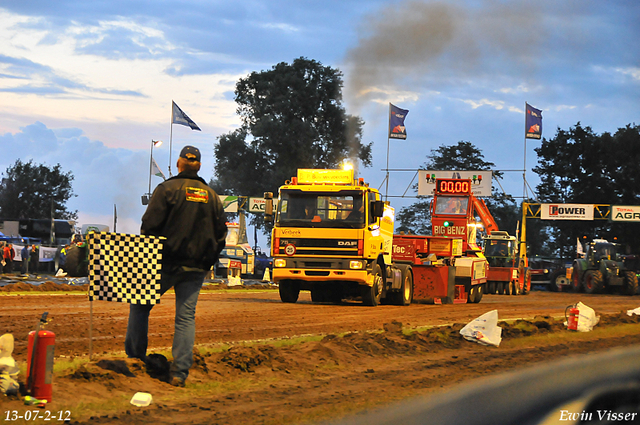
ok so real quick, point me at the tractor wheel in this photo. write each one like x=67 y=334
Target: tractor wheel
x=371 y=294
x=526 y=287
x=500 y=288
x=491 y=287
x=516 y=287
x=593 y=281
x=555 y=279
x=576 y=285
x=630 y=283
x=75 y=264
x=289 y=291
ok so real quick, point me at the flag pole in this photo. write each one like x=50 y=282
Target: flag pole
x=386 y=191
x=171 y=140
x=524 y=168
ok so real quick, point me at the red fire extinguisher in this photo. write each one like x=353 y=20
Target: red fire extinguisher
x=40 y=361
x=572 y=318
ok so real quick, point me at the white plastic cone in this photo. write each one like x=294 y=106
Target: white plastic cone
x=266 y=277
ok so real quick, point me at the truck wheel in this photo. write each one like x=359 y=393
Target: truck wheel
x=508 y=288
x=371 y=294
x=406 y=290
x=479 y=293
x=592 y=281
x=630 y=283
x=516 y=287
x=500 y=288
x=289 y=291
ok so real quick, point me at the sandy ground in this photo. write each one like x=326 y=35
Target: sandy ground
x=245 y=372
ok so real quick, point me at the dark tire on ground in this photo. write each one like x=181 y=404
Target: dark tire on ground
x=508 y=288
x=516 y=287
x=405 y=295
x=576 y=275
x=500 y=288
x=491 y=288
x=553 y=279
x=593 y=281
x=630 y=283
x=371 y=294
x=289 y=291
x=75 y=264
x=527 y=281
x=479 y=293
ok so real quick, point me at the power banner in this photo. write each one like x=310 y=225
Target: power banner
x=397 y=129
x=566 y=211
x=625 y=213
x=480 y=181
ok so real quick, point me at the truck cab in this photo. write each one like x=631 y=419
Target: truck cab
x=332 y=236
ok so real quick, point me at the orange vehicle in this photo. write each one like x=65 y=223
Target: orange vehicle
x=453 y=213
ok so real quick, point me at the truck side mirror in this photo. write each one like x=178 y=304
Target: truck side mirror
x=377 y=208
x=268 y=207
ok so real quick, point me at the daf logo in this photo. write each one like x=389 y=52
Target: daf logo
x=347 y=243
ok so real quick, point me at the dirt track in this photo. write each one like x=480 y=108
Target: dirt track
x=248 y=314
x=307 y=382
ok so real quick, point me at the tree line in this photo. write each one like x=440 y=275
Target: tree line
x=292 y=117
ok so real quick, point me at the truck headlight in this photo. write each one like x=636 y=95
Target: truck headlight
x=354 y=264
x=279 y=262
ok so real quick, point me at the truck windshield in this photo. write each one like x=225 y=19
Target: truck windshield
x=451 y=205
x=344 y=209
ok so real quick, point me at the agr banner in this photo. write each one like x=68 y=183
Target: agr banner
x=566 y=211
x=625 y=213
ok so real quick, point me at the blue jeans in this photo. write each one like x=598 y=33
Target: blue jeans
x=187 y=287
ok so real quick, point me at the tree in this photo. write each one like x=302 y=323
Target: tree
x=33 y=191
x=582 y=167
x=464 y=156
x=292 y=117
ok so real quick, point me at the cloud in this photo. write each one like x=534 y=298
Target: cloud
x=103 y=176
x=491 y=44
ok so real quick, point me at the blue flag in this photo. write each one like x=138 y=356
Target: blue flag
x=397 y=129
x=533 y=123
x=179 y=117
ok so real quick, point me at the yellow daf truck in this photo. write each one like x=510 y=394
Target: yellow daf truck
x=333 y=236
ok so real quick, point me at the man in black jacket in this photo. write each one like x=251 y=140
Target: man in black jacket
x=189 y=214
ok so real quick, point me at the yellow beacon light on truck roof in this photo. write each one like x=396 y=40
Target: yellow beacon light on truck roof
x=310 y=176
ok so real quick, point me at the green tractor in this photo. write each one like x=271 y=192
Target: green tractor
x=602 y=267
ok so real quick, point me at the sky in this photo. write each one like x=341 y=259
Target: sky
x=89 y=85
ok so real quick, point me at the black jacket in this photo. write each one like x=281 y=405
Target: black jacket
x=186 y=211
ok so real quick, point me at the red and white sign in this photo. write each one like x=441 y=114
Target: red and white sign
x=290 y=249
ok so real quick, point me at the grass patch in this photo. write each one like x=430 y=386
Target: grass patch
x=611 y=331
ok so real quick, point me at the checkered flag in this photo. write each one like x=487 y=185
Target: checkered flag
x=124 y=267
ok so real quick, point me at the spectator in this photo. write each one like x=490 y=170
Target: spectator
x=24 y=253
x=34 y=259
x=9 y=254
